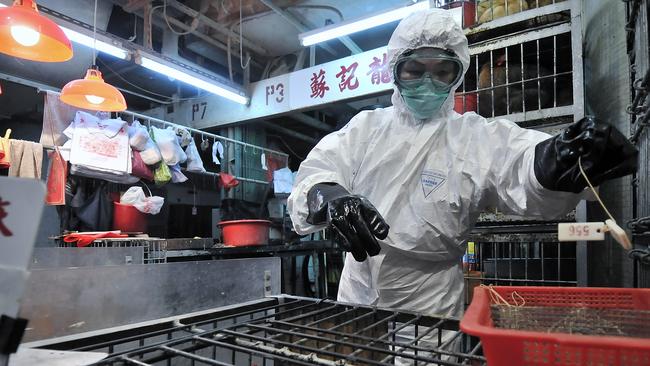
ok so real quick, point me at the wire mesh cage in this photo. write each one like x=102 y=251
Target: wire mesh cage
x=155 y=250
x=521 y=259
x=292 y=331
x=489 y=10
x=524 y=77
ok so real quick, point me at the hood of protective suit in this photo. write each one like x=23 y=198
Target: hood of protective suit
x=430 y=28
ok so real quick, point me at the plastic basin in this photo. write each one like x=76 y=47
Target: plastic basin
x=239 y=233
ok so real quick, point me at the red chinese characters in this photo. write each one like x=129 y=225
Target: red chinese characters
x=348 y=80
x=4 y=230
x=318 y=85
x=379 y=71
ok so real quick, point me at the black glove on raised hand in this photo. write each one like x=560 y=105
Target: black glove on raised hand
x=605 y=154
x=356 y=223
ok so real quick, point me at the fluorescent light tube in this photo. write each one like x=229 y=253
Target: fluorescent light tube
x=100 y=46
x=209 y=86
x=340 y=30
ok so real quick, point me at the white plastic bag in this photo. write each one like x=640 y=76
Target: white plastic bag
x=135 y=196
x=151 y=155
x=177 y=174
x=217 y=150
x=138 y=136
x=194 y=162
x=184 y=136
x=282 y=181
x=170 y=149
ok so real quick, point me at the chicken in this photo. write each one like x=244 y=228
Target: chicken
x=492 y=9
x=514 y=96
x=539 y=3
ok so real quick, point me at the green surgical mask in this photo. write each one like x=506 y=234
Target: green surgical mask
x=424 y=97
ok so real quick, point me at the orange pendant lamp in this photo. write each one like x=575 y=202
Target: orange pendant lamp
x=24 y=33
x=93 y=93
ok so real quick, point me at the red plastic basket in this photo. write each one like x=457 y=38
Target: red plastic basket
x=516 y=347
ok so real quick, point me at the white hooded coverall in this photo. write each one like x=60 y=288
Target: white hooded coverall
x=429 y=179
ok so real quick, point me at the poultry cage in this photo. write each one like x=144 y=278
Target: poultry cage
x=526 y=66
x=283 y=330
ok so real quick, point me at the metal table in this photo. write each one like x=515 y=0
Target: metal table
x=284 y=329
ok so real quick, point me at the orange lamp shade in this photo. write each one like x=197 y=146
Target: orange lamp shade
x=24 y=33
x=93 y=93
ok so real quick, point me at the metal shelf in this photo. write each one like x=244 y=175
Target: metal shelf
x=517 y=17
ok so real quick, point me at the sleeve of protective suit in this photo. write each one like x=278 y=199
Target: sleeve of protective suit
x=510 y=182
x=332 y=160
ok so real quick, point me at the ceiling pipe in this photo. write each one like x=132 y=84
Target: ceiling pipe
x=290 y=133
x=218 y=27
x=204 y=37
x=349 y=43
x=133 y=9
x=296 y=23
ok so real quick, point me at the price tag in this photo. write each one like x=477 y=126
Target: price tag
x=586 y=231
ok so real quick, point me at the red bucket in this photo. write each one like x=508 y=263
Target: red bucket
x=128 y=219
x=239 y=233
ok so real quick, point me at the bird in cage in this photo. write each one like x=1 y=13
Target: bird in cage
x=492 y=9
x=514 y=95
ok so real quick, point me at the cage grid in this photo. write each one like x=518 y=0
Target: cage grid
x=525 y=77
x=289 y=330
x=489 y=10
x=532 y=257
x=155 y=250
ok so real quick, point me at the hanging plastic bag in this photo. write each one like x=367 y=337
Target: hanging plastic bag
x=228 y=181
x=194 y=161
x=167 y=142
x=138 y=136
x=56 y=179
x=217 y=150
x=139 y=168
x=135 y=196
x=184 y=136
x=151 y=155
x=177 y=174
x=162 y=175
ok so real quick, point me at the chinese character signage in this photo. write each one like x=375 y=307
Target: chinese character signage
x=354 y=76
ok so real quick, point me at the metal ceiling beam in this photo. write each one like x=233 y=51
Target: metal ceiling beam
x=296 y=23
x=290 y=133
x=218 y=27
x=311 y=121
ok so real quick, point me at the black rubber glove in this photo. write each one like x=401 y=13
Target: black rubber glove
x=356 y=223
x=605 y=154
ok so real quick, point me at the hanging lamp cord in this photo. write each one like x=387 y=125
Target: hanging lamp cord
x=95 y=35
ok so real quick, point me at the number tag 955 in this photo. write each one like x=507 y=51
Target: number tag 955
x=586 y=231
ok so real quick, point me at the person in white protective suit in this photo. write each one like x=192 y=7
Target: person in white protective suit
x=401 y=187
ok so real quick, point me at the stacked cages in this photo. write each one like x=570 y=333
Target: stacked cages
x=154 y=250
x=526 y=66
x=285 y=331
x=638 y=48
